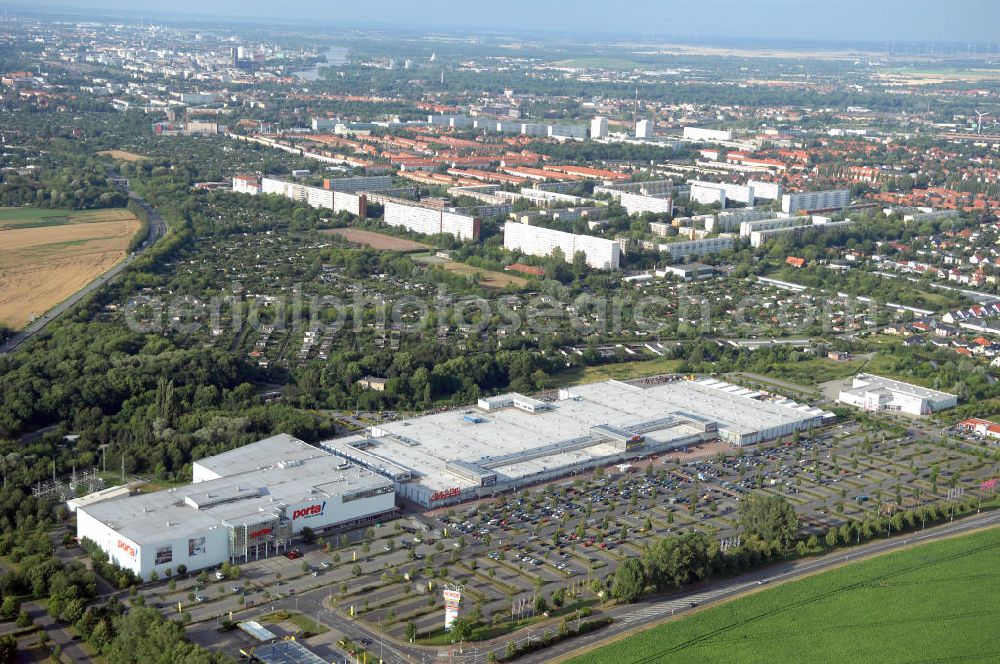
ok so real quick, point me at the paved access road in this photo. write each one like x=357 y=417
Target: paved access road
x=157 y=229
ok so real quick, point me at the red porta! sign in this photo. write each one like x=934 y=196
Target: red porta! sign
x=261 y=532
x=447 y=493
x=126 y=547
x=312 y=510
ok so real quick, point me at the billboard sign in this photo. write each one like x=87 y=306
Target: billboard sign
x=164 y=555
x=452 y=598
x=196 y=546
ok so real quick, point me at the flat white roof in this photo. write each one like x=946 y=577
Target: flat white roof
x=261 y=454
x=868 y=382
x=246 y=497
x=509 y=440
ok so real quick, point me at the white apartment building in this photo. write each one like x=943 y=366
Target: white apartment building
x=816 y=200
x=246 y=184
x=747 y=228
x=730 y=220
x=762 y=237
x=431 y=221
x=657 y=188
x=568 y=131
x=662 y=230
x=599 y=127
x=768 y=191
x=708 y=195
x=696 y=248
x=601 y=254
x=637 y=203
x=740 y=193
x=371 y=183
x=318 y=197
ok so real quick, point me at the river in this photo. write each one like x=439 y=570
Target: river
x=335 y=57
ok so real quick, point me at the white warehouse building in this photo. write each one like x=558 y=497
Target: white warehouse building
x=512 y=440
x=243 y=504
x=875 y=394
x=601 y=254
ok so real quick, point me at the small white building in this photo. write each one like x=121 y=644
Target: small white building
x=877 y=394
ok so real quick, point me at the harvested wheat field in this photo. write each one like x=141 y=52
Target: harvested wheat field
x=122 y=155
x=47 y=255
x=377 y=241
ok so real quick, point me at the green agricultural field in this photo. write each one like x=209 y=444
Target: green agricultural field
x=932 y=603
x=22 y=217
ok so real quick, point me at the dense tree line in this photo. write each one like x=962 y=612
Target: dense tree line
x=64 y=181
x=674 y=561
x=141 y=634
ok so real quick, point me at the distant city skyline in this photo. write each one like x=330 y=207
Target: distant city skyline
x=843 y=20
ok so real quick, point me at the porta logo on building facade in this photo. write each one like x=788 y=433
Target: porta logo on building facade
x=312 y=510
x=127 y=548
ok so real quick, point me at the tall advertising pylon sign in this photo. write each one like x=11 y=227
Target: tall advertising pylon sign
x=452 y=598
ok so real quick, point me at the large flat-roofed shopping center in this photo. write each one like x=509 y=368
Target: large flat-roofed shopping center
x=251 y=501
x=513 y=440
x=243 y=504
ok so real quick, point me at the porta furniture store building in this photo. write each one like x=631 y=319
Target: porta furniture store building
x=242 y=504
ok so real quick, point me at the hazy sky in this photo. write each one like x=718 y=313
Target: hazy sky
x=903 y=20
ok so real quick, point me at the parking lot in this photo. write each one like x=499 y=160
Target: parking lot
x=563 y=540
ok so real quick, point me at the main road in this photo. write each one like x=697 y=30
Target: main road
x=157 y=229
